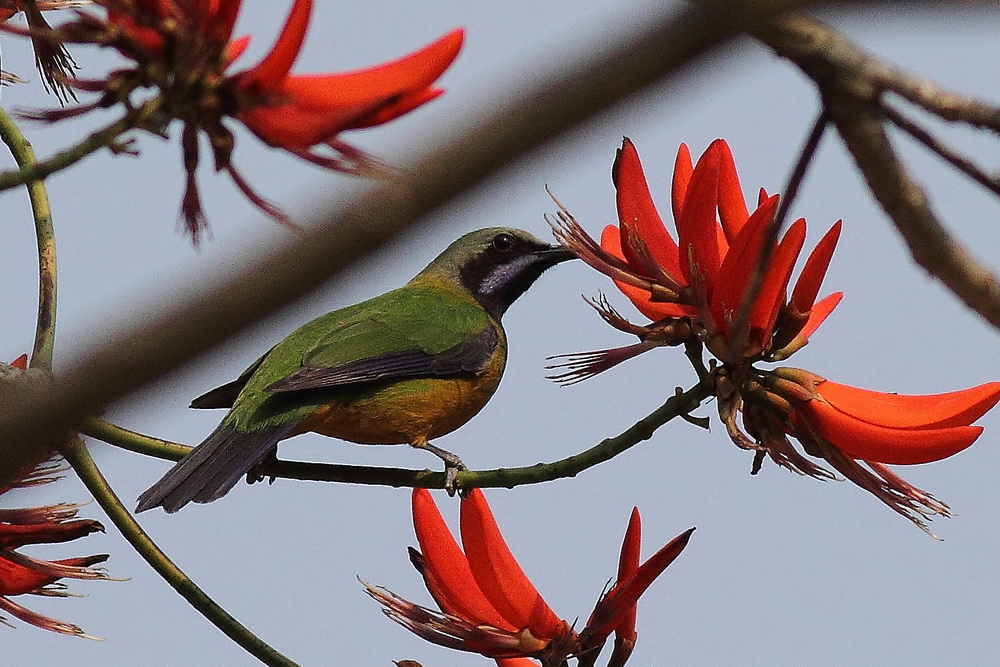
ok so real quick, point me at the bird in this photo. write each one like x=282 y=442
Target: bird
x=404 y=367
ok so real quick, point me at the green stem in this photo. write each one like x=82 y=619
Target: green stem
x=103 y=138
x=676 y=406
x=78 y=456
x=45 y=329
x=132 y=441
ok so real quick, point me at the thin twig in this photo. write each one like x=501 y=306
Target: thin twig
x=78 y=456
x=944 y=151
x=676 y=406
x=806 y=156
x=103 y=138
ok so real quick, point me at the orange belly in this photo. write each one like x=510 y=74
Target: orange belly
x=411 y=411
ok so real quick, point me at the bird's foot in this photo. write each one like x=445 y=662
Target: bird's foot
x=452 y=465
x=259 y=472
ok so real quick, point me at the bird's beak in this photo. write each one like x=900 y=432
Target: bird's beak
x=554 y=254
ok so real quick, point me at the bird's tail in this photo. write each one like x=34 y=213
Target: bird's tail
x=213 y=467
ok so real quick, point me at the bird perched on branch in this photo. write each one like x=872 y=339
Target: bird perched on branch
x=405 y=367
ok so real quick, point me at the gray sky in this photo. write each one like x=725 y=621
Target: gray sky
x=782 y=569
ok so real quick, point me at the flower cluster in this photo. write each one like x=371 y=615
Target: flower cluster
x=54 y=62
x=724 y=283
x=21 y=574
x=489 y=606
x=184 y=51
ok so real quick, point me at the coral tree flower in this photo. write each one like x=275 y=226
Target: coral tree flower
x=21 y=574
x=705 y=285
x=185 y=51
x=54 y=62
x=489 y=606
x=725 y=283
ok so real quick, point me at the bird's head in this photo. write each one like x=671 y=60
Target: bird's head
x=495 y=265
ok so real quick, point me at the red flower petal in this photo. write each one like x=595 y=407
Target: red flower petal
x=499 y=575
x=628 y=563
x=446 y=570
x=637 y=213
x=956 y=408
x=681 y=180
x=811 y=278
x=640 y=298
x=609 y=611
x=270 y=71
x=16 y=579
x=732 y=207
x=697 y=229
x=771 y=296
x=738 y=268
x=869 y=442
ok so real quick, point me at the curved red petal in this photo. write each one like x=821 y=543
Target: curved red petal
x=955 y=408
x=811 y=278
x=625 y=594
x=697 y=228
x=446 y=569
x=681 y=179
x=740 y=265
x=223 y=18
x=498 y=573
x=733 y=211
x=771 y=295
x=397 y=107
x=269 y=72
x=628 y=563
x=637 y=213
x=16 y=579
x=377 y=84
x=870 y=442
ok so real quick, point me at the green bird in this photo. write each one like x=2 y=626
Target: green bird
x=402 y=368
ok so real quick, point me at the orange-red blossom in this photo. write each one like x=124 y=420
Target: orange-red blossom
x=21 y=574
x=185 y=50
x=489 y=606
x=725 y=283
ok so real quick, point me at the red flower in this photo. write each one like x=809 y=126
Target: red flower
x=489 y=606
x=53 y=61
x=848 y=426
x=184 y=50
x=704 y=285
x=725 y=283
x=21 y=574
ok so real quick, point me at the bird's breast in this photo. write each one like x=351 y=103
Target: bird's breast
x=407 y=411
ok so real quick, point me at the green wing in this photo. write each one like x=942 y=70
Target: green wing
x=411 y=332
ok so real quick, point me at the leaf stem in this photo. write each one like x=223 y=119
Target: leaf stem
x=78 y=456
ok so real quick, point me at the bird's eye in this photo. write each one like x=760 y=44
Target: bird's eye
x=503 y=242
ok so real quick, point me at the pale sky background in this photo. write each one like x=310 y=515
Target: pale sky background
x=782 y=570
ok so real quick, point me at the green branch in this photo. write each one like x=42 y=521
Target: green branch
x=45 y=329
x=132 y=441
x=78 y=456
x=679 y=405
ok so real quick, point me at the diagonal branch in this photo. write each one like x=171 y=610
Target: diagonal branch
x=852 y=99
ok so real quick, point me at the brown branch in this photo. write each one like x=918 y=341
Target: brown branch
x=344 y=237
x=851 y=96
x=944 y=151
